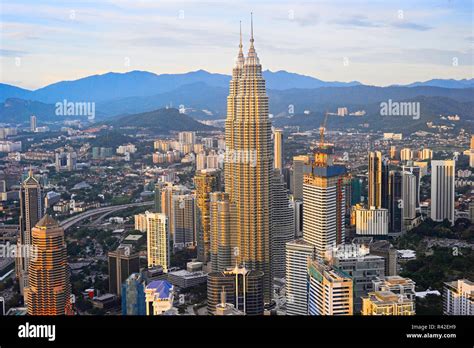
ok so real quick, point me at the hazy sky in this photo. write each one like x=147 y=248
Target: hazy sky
x=374 y=42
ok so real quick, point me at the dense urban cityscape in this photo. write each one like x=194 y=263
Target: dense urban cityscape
x=186 y=211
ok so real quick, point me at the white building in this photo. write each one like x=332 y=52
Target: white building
x=298 y=253
x=409 y=195
x=442 y=190
x=371 y=222
x=159 y=296
x=458 y=297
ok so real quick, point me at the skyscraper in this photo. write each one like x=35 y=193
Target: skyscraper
x=205 y=181
x=122 y=263
x=157 y=197
x=184 y=215
x=31 y=211
x=49 y=288
x=409 y=195
x=278 y=148
x=442 y=190
x=395 y=202
x=387 y=303
x=378 y=180
x=220 y=246
x=458 y=297
x=298 y=252
x=133 y=295
x=324 y=201
x=158 y=240
x=330 y=290
x=33 y=123
x=301 y=166
x=249 y=165
x=356 y=261
x=283 y=225
x=244 y=289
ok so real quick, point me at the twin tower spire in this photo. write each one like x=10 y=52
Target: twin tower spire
x=252 y=58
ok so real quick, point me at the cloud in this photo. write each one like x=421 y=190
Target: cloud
x=11 y=53
x=410 y=26
x=359 y=21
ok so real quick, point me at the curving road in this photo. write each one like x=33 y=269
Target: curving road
x=69 y=222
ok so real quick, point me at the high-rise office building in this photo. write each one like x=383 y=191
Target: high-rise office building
x=324 y=201
x=122 y=263
x=157 y=197
x=244 y=290
x=298 y=253
x=395 y=202
x=33 y=124
x=31 y=211
x=283 y=225
x=133 y=295
x=409 y=195
x=356 y=191
x=386 y=250
x=184 y=215
x=458 y=297
x=205 y=181
x=297 y=207
x=387 y=303
x=278 y=148
x=220 y=243
x=168 y=192
x=442 y=190
x=330 y=290
x=371 y=221
x=249 y=165
x=158 y=240
x=49 y=288
x=378 y=180
x=356 y=261
x=301 y=167
x=396 y=284
x=416 y=171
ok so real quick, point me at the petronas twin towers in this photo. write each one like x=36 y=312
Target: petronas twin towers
x=249 y=166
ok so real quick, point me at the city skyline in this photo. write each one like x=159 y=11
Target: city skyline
x=359 y=203
x=330 y=41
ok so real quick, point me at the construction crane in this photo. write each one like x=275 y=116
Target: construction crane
x=323 y=152
x=322 y=129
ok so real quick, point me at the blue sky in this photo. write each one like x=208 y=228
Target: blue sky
x=374 y=42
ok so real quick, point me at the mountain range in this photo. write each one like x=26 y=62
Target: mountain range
x=204 y=95
x=109 y=86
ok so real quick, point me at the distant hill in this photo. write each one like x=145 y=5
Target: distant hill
x=280 y=80
x=9 y=91
x=430 y=110
x=162 y=120
x=450 y=83
x=202 y=96
x=16 y=110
